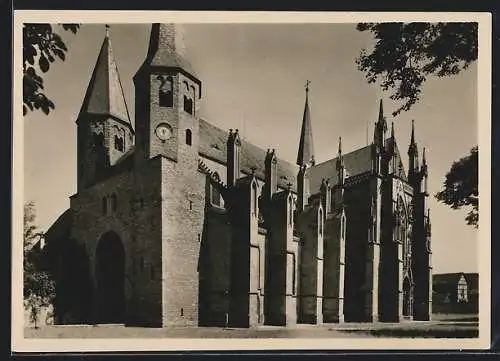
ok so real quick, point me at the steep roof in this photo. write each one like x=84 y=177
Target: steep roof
x=213 y=146
x=356 y=162
x=104 y=94
x=167 y=49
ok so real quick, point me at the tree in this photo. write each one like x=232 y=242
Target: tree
x=403 y=56
x=406 y=53
x=39 y=288
x=41 y=46
x=460 y=188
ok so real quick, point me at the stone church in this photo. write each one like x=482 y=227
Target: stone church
x=178 y=222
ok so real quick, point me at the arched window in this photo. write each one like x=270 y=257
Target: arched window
x=320 y=222
x=114 y=202
x=166 y=93
x=189 y=136
x=215 y=196
x=255 y=207
x=188 y=101
x=119 y=143
x=104 y=205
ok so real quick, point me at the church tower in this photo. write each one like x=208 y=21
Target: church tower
x=167 y=99
x=105 y=132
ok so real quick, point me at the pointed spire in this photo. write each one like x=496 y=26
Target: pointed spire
x=412 y=140
x=392 y=130
x=167 y=47
x=424 y=161
x=380 y=127
x=104 y=94
x=381 y=111
x=412 y=148
x=305 y=154
x=340 y=158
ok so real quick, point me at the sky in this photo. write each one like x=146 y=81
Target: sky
x=254 y=79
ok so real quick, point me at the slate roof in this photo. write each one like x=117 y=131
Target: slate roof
x=166 y=48
x=356 y=162
x=104 y=94
x=213 y=146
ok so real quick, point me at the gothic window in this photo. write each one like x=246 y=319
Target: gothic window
x=189 y=136
x=260 y=214
x=290 y=211
x=166 y=93
x=343 y=227
x=193 y=97
x=114 y=202
x=188 y=101
x=119 y=142
x=104 y=205
x=254 y=199
x=215 y=195
x=320 y=222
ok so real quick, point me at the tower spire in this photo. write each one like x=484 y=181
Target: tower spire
x=167 y=50
x=412 y=140
x=381 y=111
x=104 y=94
x=380 y=127
x=305 y=154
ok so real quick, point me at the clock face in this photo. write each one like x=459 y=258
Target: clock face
x=164 y=131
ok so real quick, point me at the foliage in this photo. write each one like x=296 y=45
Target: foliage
x=39 y=288
x=41 y=47
x=406 y=53
x=460 y=188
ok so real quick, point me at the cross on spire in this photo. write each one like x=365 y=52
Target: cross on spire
x=307 y=85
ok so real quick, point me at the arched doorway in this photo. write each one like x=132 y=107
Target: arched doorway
x=407 y=298
x=110 y=279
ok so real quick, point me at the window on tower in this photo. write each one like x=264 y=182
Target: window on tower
x=166 y=93
x=189 y=136
x=188 y=101
x=119 y=143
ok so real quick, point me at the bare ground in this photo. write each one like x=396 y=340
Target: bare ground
x=447 y=326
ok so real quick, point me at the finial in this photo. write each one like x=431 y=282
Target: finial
x=392 y=130
x=413 y=131
x=340 y=145
x=381 y=110
x=424 y=161
x=307 y=85
x=236 y=130
x=289 y=185
x=107 y=30
x=253 y=169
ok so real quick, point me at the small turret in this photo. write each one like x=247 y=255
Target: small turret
x=413 y=157
x=233 y=157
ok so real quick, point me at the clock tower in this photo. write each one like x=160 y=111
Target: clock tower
x=167 y=99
